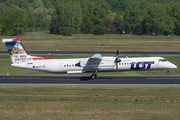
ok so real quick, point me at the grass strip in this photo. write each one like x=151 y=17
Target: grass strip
x=127 y=103
x=98 y=43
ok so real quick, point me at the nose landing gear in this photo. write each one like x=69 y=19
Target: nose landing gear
x=168 y=73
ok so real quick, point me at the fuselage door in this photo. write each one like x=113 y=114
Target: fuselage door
x=61 y=67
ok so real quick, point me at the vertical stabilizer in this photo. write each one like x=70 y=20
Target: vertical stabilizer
x=17 y=52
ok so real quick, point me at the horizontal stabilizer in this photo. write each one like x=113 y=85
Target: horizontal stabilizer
x=12 y=40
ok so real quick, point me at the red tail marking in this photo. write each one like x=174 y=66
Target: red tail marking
x=42 y=58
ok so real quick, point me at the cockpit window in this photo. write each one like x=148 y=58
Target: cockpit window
x=162 y=60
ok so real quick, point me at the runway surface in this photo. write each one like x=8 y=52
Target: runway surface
x=89 y=53
x=100 y=81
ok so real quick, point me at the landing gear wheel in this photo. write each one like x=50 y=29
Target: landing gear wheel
x=168 y=73
x=94 y=76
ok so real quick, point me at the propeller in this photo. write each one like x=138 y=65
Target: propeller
x=117 y=59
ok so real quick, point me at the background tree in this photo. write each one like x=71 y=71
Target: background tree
x=99 y=30
x=117 y=26
x=108 y=25
x=54 y=25
x=143 y=4
x=32 y=20
x=138 y=29
x=2 y=8
x=75 y=16
x=70 y=16
x=174 y=13
x=87 y=26
x=132 y=17
x=37 y=4
x=98 y=11
x=156 y=20
x=13 y=22
x=94 y=13
x=111 y=15
x=118 y=4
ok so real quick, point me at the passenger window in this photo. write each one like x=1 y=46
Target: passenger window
x=119 y=63
x=64 y=65
x=69 y=65
x=124 y=63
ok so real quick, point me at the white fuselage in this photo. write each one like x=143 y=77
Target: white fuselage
x=106 y=64
x=94 y=64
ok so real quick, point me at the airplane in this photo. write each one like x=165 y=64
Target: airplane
x=94 y=64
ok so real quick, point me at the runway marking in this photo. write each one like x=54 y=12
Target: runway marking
x=20 y=77
x=164 y=78
x=29 y=77
x=102 y=81
x=94 y=85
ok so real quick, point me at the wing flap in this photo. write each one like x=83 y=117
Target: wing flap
x=75 y=71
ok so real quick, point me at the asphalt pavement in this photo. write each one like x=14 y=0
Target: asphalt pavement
x=85 y=81
x=89 y=53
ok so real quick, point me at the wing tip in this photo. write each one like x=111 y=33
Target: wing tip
x=97 y=56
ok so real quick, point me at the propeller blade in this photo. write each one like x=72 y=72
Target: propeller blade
x=117 y=59
x=116 y=66
x=117 y=54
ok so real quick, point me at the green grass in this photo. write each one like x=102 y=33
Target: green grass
x=5 y=65
x=43 y=41
x=127 y=103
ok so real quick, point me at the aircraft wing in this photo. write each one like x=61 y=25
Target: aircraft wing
x=96 y=56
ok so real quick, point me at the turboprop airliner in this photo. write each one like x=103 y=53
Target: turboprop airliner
x=94 y=64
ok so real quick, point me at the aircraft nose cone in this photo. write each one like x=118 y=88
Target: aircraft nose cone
x=172 y=66
x=175 y=66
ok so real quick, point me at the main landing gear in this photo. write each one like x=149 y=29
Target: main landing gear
x=168 y=73
x=94 y=75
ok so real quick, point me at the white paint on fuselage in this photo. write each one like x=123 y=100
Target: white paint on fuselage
x=107 y=64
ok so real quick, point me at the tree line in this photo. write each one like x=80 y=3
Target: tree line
x=98 y=17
